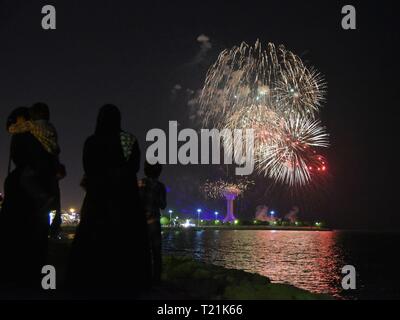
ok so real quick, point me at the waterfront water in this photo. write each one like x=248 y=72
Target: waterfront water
x=307 y=259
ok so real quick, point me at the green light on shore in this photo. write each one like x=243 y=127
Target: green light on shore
x=164 y=221
x=236 y=221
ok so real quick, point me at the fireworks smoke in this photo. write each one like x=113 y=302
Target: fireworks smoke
x=262 y=213
x=291 y=216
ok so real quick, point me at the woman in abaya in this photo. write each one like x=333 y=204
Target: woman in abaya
x=110 y=255
x=24 y=227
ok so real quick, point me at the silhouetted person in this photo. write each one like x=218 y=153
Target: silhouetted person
x=110 y=254
x=24 y=224
x=153 y=194
x=48 y=199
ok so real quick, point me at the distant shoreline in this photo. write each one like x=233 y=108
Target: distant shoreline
x=72 y=229
x=270 y=228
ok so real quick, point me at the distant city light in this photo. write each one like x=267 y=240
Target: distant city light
x=188 y=224
x=272 y=213
x=51 y=216
x=236 y=221
x=170 y=214
x=198 y=210
x=72 y=210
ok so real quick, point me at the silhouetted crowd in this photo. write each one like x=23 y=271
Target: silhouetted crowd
x=116 y=250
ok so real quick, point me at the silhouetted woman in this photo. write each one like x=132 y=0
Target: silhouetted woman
x=110 y=254
x=24 y=225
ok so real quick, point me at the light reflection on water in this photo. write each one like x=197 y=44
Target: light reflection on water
x=307 y=259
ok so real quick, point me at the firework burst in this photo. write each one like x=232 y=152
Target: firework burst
x=217 y=189
x=272 y=92
x=291 y=155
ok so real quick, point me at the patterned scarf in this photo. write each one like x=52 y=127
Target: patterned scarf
x=43 y=132
x=127 y=142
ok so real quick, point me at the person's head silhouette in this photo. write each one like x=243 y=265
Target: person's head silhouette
x=18 y=115
x=40 y=111
x=108 y=120
x=152 y=170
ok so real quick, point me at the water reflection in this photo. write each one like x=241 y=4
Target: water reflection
x=307 y=259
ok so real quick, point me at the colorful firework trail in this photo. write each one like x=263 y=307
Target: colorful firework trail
x=271 y=91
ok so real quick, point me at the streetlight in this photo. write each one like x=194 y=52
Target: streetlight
x=273 y=216
x=176 y=221
x=198 y=216
x=170 y=215
x=216 y=215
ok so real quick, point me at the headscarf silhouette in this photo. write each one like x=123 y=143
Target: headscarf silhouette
x=17 y=113
x=108 y=121
x=12 y=119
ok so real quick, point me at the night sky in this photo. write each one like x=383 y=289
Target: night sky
x=134 y=55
